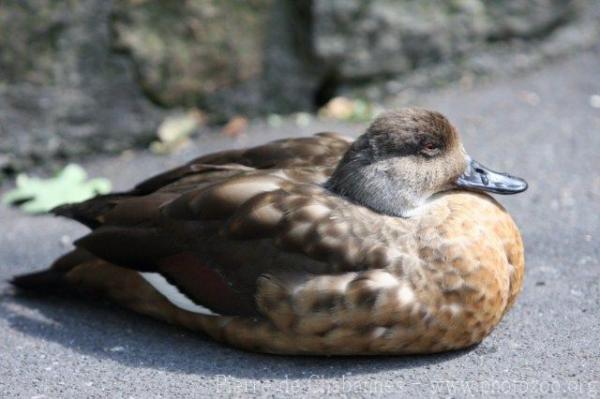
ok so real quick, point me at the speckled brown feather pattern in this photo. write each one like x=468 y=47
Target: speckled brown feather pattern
x=303 y=271
x=432 y=293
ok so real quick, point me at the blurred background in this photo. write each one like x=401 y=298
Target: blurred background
x=87 y=77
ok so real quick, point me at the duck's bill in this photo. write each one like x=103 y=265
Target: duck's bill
x=478 y=177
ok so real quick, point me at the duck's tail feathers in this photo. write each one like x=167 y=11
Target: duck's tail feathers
x=45 y=281
x=52 y=280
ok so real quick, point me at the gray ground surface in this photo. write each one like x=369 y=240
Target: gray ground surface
x=541 y=126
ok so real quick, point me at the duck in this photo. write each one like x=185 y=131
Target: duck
x=387 y=244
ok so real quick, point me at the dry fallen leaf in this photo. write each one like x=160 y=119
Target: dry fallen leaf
x=235 y=127
x=175 y=130
x=348 y=109
x=338 y=108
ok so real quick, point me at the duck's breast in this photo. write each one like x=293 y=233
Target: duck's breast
x=471 y=250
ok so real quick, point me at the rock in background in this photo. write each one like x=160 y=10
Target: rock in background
x=366 y=39
x=63 y=91
x=90 y=76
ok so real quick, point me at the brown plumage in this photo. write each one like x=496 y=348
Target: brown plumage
x=313 y=245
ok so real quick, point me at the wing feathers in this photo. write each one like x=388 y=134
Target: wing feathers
x=221 y=200
x=134 y=247
x=212 y=227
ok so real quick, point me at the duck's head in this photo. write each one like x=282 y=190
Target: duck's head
x=405 y=157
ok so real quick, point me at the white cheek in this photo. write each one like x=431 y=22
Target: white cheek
x=173 y=294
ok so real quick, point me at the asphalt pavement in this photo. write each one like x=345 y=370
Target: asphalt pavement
x=543 y=126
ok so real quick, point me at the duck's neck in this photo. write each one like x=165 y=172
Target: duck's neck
x=371 y=186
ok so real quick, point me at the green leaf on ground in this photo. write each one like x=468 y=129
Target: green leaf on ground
x=35 y=195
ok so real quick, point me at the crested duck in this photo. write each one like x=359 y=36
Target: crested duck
x=320 y=245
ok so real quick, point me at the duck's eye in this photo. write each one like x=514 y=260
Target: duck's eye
x=430 y=149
